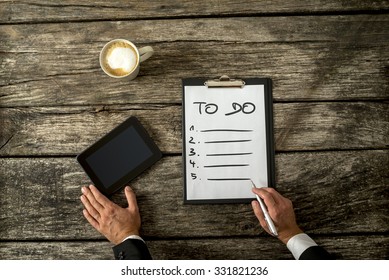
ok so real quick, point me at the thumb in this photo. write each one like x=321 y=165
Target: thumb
x=131 y=198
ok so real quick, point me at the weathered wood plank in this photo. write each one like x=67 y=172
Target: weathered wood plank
x=308 y=58
x=333 y=192
x=297 y=126
x=48 y=11
x=81 y=37
x=346 y=247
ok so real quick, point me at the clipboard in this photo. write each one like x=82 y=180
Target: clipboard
x=227 y=139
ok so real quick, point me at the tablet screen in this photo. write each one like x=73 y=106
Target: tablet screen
x=123 y=153
x=119 y=156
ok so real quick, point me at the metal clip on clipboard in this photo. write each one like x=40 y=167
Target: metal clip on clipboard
x=225 y=81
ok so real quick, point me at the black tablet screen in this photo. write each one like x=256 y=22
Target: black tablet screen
x=123 y=153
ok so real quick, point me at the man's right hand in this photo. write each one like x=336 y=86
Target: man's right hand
x=280 y=210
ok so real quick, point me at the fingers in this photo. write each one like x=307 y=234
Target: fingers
x=131 y=199
x=92 y=200
x=266 y=196
x=92 y=212
x=91 y=194
x=90 y=219
x=259 y=214
x=278 y=198
x=258 y=211
x=100 y=198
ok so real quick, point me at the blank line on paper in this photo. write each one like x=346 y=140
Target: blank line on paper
x=228 y=179
x=226 y=165
x=231 y=154
x=228 y=141
x=226 y=130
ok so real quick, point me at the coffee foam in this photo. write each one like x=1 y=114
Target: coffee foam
x=120 y=59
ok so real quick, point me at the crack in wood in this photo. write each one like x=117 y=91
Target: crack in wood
x=190 y=15
x=60 y=5
x=6 y=142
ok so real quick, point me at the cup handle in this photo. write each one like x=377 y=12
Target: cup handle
x=145 y=53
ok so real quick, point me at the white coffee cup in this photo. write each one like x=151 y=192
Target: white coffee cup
x=120 y=58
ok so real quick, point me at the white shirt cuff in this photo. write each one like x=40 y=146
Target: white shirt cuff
x=299 y=243
x=133 y=237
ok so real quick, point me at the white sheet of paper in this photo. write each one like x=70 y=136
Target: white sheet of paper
x=225 y=141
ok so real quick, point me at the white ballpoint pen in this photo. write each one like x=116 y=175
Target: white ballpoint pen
x=268 y=220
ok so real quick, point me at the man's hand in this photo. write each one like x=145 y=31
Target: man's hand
x=280 y=210
x=111 y=220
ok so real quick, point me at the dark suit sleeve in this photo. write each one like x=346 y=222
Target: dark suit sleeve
x=316 y=253
x=131 y=249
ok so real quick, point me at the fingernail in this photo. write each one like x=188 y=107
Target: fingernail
x=82 y=197
x=83 y=189
x=128 y=188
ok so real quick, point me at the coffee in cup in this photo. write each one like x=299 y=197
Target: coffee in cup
x=120 y=58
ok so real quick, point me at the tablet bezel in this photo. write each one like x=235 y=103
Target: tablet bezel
x=131 y=174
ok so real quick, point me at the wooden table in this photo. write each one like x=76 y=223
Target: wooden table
x=329 y=62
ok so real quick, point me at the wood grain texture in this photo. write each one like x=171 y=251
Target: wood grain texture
x=329 y=64
x=71 y=10
x=297 y=127
x=308 y=58
x=346 y=247
x=40 y=198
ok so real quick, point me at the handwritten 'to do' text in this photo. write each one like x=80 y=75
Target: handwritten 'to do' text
x=212 y=108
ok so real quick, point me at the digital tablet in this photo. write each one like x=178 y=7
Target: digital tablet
x=119 y=156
